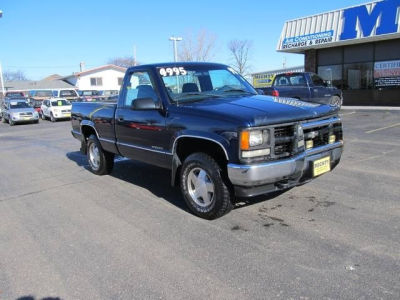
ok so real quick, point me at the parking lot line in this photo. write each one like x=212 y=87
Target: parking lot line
x=346 y=114
x=383 y=128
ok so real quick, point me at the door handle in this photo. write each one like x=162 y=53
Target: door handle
x=120 y=119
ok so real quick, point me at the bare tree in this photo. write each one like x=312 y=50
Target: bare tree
x=125 y=62
x=14 y=75
x=200 y=48
x=240 y=54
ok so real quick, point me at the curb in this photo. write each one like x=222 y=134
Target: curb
x=397 y=108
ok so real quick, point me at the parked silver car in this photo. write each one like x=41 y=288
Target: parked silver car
x=18 y=111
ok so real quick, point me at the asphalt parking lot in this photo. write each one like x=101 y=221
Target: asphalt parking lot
x=67 y=233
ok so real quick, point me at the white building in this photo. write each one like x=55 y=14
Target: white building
x=108 y=77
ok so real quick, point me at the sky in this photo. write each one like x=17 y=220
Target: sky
x=42 y=37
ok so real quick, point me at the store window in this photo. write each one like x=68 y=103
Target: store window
x=387 y=74
x=332 y=75
x=358 y=76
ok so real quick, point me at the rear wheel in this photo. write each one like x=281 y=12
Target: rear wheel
x=204 y=188
x=100 y=161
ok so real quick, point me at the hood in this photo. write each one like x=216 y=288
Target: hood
x=21 y=110
x=260 y=110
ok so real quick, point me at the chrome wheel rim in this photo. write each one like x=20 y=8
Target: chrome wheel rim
x=201 y=187
x=94 y=156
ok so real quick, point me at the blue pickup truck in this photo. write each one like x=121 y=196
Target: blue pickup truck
x=306 y=87
x=211 y=129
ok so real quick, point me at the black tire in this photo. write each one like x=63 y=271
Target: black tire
x=105 y=159
x=4 y=120
x=36 y=121
x=222 y=196
x=11 y=122
x=337 y=101
x=52 y=119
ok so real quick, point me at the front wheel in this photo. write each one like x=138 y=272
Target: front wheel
x=100 y=161
x=42 y=116
x=336 y=101
x=11 y=122
x=52 y=119
x=204 y=188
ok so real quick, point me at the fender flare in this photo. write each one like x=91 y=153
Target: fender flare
x=176 y=162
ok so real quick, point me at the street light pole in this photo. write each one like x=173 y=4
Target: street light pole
x=1 y=69
x=175 y=39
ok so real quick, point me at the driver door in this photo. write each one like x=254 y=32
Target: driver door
x=141 y=133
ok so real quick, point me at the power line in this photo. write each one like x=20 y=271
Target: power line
x=44 y=67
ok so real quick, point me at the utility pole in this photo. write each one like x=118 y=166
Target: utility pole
x=2 y=82
x=175 y=39
x=134 y=55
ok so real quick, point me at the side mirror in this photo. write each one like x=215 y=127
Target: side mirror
x=144 y=104
x=260 y=91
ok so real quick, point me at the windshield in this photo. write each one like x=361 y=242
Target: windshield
x=198 y=82
x=60 y=103
x=21 y=104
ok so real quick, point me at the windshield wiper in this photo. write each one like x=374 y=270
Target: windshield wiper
x=238 y=90
x=196 y=94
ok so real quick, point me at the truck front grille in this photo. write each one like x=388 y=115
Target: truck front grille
x=320 y=135
x=284 y=141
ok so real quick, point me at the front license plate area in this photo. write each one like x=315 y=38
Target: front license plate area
x=321 y=166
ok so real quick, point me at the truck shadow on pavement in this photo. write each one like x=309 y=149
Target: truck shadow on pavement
x=157 y=180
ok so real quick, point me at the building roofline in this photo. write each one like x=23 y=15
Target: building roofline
x=109 y=66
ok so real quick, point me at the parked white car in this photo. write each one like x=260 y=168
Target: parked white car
x=55 y=109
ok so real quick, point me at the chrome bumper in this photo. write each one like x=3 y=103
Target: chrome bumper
x=289 y=169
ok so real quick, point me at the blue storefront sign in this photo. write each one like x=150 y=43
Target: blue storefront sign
x=383 y=16
x=308 y=39
x=365 y=21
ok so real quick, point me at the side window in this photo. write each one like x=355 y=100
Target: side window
x=139 y=86
x=317 y=80
x=298 y=80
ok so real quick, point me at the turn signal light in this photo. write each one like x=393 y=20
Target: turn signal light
x=244 y=140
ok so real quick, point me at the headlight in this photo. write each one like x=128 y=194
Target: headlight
x=250 y=139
